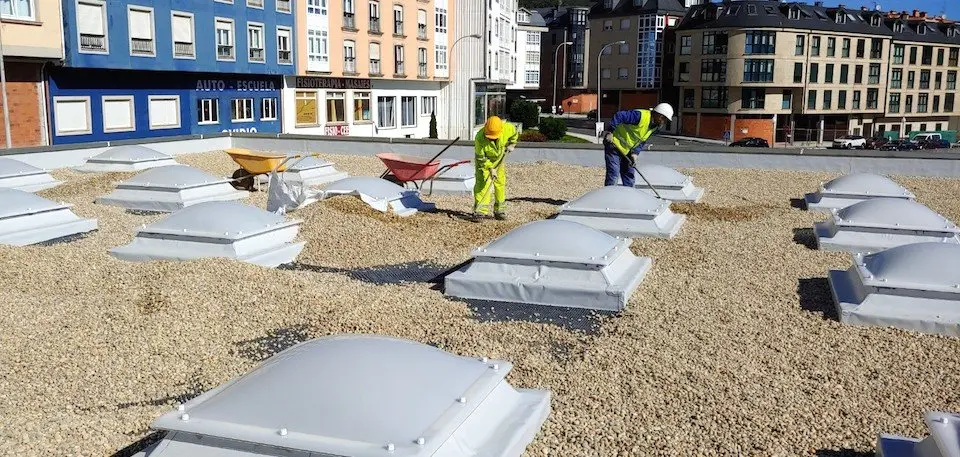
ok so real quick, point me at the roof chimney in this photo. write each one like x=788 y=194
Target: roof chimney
x=818 y=3
x=916 y=13
x=923 y=14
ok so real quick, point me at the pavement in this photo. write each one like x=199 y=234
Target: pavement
x=655 y=139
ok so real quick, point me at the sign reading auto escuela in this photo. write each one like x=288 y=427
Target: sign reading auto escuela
x=315 y=82
x=241 y=85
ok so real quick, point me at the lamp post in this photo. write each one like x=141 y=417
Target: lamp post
x=3 y=88
x=556 y=55
x=600 y=76
x=449 y=88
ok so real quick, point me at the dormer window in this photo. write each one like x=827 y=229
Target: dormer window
x=608 y=4
x=951 y=32
x=795 y=13
x=922 y=29
x=898 y=27
x=875 y=20
x=841 y=17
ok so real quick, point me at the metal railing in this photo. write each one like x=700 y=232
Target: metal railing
x=224 y=51
x=93 y=42
x=283 y=56
x=375 y=67
x=375 y=24
x=422 y=70
x=348 y=21
x=183 y=49
x=141 y=46
x=255 y=3
x=256 y=55
x=349 y=65
x=283 y=5
x=422 y=31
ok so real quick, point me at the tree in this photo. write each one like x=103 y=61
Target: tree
x=433 y=125
x=553 y=128
x=525 y=112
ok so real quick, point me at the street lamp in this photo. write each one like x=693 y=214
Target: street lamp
x=450 y=84
x=556 y=55
x=600 y=76
x=3 y=88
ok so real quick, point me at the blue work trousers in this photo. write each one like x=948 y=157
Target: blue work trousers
x=618 y=166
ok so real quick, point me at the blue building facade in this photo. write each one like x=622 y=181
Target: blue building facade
x=139 y=69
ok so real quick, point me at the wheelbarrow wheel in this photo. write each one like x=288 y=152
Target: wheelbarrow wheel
x=242 y=180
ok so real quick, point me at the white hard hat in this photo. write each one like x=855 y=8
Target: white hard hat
x=665 y=109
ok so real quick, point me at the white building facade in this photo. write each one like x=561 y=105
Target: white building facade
x=530 y=30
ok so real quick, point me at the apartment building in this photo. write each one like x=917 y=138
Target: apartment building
x=32 y=31
x=136 y=69
x=483 y=64
x=639 y=72
x=797 y=73
x=526 y=51
x=368 y=68
x=567 y=43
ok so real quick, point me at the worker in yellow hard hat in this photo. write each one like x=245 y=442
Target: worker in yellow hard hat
x=492 y=144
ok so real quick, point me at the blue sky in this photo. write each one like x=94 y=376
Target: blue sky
x=952 y=7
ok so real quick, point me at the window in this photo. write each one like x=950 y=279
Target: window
x=689 y=98
x=841 y=17
x=787 y=100
x=873 y=98
x=951 y=80
x=800 y=45
x=349 y=57
x=181 y=28
x=828 y=74
x=686 y=45
x=753 y=98
x=255 y=49
x=815 y=46
x=375 y=59
x=284 y=55
x=317 y=46
x=440 y=57
x=622 y=73
x=948 y=102
x=828 y=99
x=861 y=48
x=936 y=104
x=845 y=50
x=386 y=112
x=875 y=20
x=398 y=20
x=361 y=107
x=713 y=70
x=714 y=43
x=896 y=79
x=842 y=99
x=684 y=74
x=758 y=70
x=422 y=62
x=798 y=72
x=940 y=55
x=921 y=29
x=794 y=13
x=268 y=109
x=624 y=24
x=306 y=104
x=72 y=115
x=163 y=111
x=898 y=54
x=428 y=105
x=898 y=27
x=408 y=111
x=812 y=99
x=349 y=16
x=925 y=79
x=140 y=27
x=714 y=97
x=844 y=73
x=938 y=81
x=875 y=74
x=91 y=17
x=533 y=39
x=608 y=24
x=241 y=110
x=283 y=6
x=913 y=55
x=398 y=60
x=318 y=7
x=255 y=4
x=927 y=56
x=208 y=111
x=20 y=9
x=814 y=72
x=605 y=73
x=911 y=79
x=624 y=49
x=760 y=42
x=422 y=24
x=831 y=47
x=856 y=99
x=922 y=101
x=336 y=107
x=374 y=8
x=118 y=114
x=858 y=74
x=954 y=57
x=224 y=28
x=894 y=103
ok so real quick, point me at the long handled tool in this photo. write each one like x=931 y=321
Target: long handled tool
x=633 y=164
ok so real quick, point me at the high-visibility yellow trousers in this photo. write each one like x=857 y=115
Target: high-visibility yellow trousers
x=497 y=178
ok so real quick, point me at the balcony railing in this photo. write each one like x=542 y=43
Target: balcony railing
x=375 y=67
x=93 y=42
x=348 y=21
x=398 y=28
x=422 y=31
x=283 y=56
x=283 y=5
x=141 y=46
x=349 y=65
x=398 y=68
x=183 y=49
x=224 y=51
x=422 y=70
x=256 y=55
x=375 y=24
x=255 y=3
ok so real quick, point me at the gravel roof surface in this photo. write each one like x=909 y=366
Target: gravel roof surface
x=730 y=345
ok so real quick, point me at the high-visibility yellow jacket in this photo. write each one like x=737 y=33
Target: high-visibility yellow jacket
x=489 y=153
x=630 y=129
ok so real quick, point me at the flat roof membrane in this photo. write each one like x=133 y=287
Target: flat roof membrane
x=669 y=183
x=15 y=174
x=552 y=262
x=623 y=211
x=943 y=441
x=913 y=287
x=854 y=188
x=380 y=194
x=329 y=396
x=170 y=188
x=882 y=223
x=128 y=158
x=27 y=219
x=216 y=229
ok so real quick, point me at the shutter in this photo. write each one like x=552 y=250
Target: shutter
x=90 y=19
x=182 y=29
x=375 y=51
x=141 y=24
x=421 y=17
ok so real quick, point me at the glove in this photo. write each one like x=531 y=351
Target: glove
x=511 y=147
x=608 y=137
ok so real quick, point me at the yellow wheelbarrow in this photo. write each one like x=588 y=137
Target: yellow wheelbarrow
x=253 y=164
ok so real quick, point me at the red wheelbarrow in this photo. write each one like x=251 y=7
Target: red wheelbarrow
x=416 y=170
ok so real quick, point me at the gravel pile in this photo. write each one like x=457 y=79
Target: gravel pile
x=730 y=346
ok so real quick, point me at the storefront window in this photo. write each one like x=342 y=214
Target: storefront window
x=335 y=107
x=490 y=100
x=386 y=112
x=361 y=107
x=306 y=103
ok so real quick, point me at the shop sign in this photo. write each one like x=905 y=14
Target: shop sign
x=337 y=130
x=240 y=130
x=314 y=82
x=239 y=85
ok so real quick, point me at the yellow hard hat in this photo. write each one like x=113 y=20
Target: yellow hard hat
x=493 y=127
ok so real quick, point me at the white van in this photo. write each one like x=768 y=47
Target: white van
x=926 y=137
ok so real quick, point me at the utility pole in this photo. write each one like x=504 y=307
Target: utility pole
x=3 y=88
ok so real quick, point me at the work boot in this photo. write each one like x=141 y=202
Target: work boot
x=500 y=216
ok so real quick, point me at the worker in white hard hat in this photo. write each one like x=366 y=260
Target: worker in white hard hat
x=626 y=136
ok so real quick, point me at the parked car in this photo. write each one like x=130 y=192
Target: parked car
x=876 y=142
x=921 y=137
x=850 y=142
x=934 y=144
x=751 y=143
x=899 y=145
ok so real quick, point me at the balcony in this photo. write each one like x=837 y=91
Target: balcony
x=255 y=3
x=224 y=52
x=422 y=70
x=256 y=55
x=283 y=56
x=422 y=31
x=141 y=46
x=183 y=49
x=348 y=22
x=283 y=5
x=375 y=25
x=375 y=67
x=349 y=65
x=93 y=42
